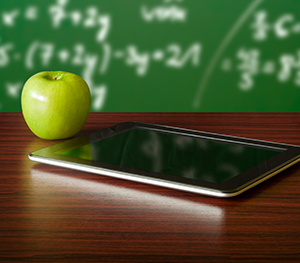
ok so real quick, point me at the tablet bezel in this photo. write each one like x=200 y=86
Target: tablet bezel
x=290 y=154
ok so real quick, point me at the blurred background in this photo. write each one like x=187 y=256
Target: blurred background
x=157 y=55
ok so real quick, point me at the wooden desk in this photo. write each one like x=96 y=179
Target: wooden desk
x=51 y=214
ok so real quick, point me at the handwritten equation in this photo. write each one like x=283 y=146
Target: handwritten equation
x=172 y=56
x=284 y=26
x=93 y=62
x=250 y=61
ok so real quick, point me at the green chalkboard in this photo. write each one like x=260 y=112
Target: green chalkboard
x=157 y=55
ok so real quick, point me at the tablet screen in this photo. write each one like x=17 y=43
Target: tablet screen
x=196 y=158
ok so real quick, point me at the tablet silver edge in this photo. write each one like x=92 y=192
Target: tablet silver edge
x=154 y=181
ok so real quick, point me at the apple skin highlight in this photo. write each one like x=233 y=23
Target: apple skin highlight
x=55 y=104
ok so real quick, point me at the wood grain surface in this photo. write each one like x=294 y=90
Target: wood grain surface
x=51 y=214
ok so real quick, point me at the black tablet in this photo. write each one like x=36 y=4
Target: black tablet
x=182 y=159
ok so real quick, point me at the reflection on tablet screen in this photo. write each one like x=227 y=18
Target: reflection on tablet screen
x=194 y=158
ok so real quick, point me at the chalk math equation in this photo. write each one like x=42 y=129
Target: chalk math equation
x=176 y=53
x=250 y=61
x=39 y=53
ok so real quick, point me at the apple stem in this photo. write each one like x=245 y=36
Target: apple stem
x=55 y=78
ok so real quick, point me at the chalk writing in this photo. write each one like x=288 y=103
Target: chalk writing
x=14 y=89
x=248 y=66
x=4 y=53
x=90 y=18
x=250 y=63
x=172 y=56
x=168 y=11
x=284 y=26
x=39 y=53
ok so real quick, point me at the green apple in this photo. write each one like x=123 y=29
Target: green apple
x=55 y=104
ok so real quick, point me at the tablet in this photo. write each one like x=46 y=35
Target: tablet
x=189 y=160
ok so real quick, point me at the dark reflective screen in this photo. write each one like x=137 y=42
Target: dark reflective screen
x=178 y=155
